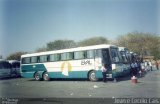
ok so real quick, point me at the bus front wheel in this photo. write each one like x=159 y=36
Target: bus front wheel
x=92 y=76
x=46 y=76
x=37 y=76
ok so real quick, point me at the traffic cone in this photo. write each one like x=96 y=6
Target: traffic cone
x=134 y=79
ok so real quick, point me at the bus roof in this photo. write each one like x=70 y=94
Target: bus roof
x=71 y=49
x=13 y=61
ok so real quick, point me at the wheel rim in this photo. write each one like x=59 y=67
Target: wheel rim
x=92 y=76
x=37 y=77
x=46 y=77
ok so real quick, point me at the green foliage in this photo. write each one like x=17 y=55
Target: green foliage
x=93 y=41
x=16 y=56
x=142 y=43
x=43 y=49
x=63 y=44
x=60 y=44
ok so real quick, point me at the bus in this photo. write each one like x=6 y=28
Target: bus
x=125 y=54
x=80 y=62
x=133 y=56
x=5 y=69
x=15 y=67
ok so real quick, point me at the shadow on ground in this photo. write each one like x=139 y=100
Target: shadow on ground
x=9 y=78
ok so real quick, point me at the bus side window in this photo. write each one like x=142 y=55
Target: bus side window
x=80 y=55
x=26 y=60
x=90 y=54
x=63 y=56
x=57 y=57
x=43 y=58
x=70 y=55
x=52 y=58
x=34 y=59
x=23 y=60
x=98 y=53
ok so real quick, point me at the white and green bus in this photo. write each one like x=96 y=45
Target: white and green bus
x=80 y=62
x=126 y=59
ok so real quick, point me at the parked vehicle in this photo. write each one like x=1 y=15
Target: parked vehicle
x=5 y=69
x=15 y=68
x=124 y=52
x=81 y=62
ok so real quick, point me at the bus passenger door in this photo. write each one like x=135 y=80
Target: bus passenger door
x=98 y=63
x=98 y=60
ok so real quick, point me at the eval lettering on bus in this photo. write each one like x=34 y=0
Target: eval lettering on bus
x=86 y=62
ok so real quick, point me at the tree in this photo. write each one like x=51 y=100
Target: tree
x=156 y=49
x=93 y=41
x=63 y=44
x=43 y=49
x=141 y=43
x=15 y=56
x=60 y=44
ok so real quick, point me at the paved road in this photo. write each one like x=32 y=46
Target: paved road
x=147 y=86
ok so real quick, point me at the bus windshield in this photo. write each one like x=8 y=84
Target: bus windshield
x=116 y=57
x=124 y=57
x=5 y=65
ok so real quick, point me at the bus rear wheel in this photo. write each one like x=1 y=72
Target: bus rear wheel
x=37 y=76
x=92 y=76
x=46 y=76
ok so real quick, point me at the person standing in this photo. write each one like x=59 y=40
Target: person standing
x=146 y=66
x=157 y=65
x=133 y=68
x=150 y=64
x=104 y=71
x=142 y=67
x=136 y=67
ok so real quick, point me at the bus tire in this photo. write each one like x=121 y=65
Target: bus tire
x=92 y=76
x=37 y=76
x=46 y=76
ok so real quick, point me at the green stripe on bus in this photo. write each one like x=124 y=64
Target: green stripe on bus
x=33 y=68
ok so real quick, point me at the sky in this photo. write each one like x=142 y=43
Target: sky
x=26 y=25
